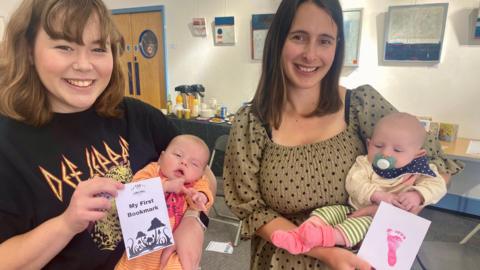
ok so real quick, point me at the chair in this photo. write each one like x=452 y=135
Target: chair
x=220 y=146
x=470 y=234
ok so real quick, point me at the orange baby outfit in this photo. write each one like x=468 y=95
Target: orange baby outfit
x=152 y=260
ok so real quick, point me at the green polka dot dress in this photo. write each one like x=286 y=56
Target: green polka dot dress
x=264 y=180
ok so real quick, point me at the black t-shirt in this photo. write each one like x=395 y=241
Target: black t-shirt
x=40 y=168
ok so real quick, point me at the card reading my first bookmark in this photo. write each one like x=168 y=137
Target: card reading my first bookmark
x=144 y=217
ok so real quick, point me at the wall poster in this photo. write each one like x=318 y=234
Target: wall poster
x=199 y=26
x=414 y=33
x=260 y=25
x=477 y=26
x=224 y=30
x=352 y=27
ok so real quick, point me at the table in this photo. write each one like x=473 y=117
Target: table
x=464 y=188
x=458 y=149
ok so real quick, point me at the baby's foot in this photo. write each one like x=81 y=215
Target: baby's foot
x=314 y=235
x=289 y=240
x=394 y=239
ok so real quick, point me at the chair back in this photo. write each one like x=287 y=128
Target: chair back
x=220 y=145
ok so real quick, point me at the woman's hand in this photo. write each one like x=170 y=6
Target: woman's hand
x=339 y=258
x=189 y=242
x=90 y=202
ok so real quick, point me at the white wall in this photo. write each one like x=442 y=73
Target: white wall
x=448 y=91
x=227 y=72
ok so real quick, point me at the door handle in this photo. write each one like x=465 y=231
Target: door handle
x=137 y=77
x=130 y=81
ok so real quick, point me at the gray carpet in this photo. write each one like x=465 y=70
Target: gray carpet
x=220 y=232
x=446 y=230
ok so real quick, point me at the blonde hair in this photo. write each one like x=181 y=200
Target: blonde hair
x=194 y=139
x=22 y=95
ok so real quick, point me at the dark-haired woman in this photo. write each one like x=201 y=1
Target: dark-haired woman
x=290 y=150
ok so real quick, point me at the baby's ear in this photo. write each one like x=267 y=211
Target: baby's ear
x=421 y=152
x=368 y=143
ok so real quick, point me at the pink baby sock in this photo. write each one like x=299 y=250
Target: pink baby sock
x=315 y=235
x=289 y=240
x=304 y=238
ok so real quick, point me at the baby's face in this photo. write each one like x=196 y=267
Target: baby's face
x=395 y=142
x=183 y=158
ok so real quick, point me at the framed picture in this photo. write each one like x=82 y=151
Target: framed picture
x=476 y=33
x=414 y=33
x=260 y=25
x=352 y=27
x=199 y=26
x=224 y=30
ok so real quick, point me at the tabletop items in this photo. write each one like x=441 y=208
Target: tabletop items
x=190 y=103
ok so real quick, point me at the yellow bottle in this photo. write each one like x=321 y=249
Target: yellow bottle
x=169 y=105
x=195 y=108
x=179 y=99
x=179 y=106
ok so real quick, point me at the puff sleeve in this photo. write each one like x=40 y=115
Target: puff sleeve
x=358 y=183
x=431 y=188
x=241 y=173
x=368 y=106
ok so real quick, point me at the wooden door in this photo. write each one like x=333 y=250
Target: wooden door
x=122 y=21
x=145 y=63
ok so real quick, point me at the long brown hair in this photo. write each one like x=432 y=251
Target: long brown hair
x=22 y=95
x=271 y=92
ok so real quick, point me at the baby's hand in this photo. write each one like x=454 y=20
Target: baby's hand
x=382 y=196
x=174 y=185
x=199 y=199
x=410 y=200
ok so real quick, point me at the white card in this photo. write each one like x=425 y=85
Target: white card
x=473 y=148
x=222 y=247
x=393 y=239
x=144 y=217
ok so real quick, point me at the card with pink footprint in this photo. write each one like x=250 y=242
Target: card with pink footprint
x=393 y=239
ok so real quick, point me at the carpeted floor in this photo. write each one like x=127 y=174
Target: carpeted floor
x=447 y=228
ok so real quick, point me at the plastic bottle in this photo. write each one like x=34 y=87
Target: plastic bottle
x=179 y=100
x=169 y=105
x=179 y=106
x=195 y=108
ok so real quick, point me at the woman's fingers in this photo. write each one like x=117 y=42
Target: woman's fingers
x=101 y=186
x=90 y=202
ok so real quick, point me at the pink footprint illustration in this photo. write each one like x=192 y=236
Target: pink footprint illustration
x=394 y=239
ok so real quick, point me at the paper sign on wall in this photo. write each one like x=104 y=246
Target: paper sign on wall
x=260 y=25
x=393 y=239
x=476 y=33
x=224 y=30
x=199 y=26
